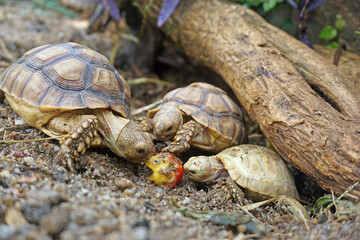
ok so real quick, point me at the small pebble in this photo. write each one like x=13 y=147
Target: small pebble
x=186 y=200
x=19 y=122
x=29 y=160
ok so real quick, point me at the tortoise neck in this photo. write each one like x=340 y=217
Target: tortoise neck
x=110 y=126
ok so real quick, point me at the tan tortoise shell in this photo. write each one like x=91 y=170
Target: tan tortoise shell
x=258 y=169
x=211 y=107
x=64 y=77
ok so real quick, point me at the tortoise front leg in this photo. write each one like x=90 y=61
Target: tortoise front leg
x=77 y=141
x=235 y=191
x=144 y=123
x=183 y=138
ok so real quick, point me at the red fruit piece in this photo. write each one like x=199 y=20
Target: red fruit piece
x=167 y=169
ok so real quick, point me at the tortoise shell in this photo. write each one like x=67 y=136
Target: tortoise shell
x=211 y=107
x=259 y=170
x=64 y=77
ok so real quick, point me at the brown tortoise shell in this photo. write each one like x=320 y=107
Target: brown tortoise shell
x=211 y=107
x=64 y=77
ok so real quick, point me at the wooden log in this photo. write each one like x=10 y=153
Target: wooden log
x=304 y=104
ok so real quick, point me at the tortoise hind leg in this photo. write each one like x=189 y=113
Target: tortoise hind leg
x=77 y=141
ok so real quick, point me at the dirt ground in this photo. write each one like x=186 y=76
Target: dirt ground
x=112 y=198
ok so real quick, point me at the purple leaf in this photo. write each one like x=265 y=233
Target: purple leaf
x=314 y=4
x=113 y=7
x=167 y=9
x=292 y=3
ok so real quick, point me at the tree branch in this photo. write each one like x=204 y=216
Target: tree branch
x=300 y=100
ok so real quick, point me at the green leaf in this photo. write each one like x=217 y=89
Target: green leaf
x=333 y=45
x=357 y=32
x=54 y=5
x=328 y=33
x=268 y=5
x=340 y=22
x=324 y=201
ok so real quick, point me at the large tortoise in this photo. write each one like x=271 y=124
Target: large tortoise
x=258 y=170
x=72 y=92
x=200 y=115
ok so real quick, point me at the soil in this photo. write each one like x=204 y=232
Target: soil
x=112 y=198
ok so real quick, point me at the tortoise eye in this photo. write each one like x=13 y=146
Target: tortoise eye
x=192 y=172
x=140 y=150
x=169 y=129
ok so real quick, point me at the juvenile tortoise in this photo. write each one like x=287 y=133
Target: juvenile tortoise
x=74 y=93
x=256 y=169
x=200 y=115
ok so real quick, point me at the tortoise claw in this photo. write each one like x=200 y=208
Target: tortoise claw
x=182 y=138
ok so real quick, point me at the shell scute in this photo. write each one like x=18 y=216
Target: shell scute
x=190 y=110
x=120 y=108
x=69 y=74
x=239 y=134
x=44 y=56
x=36 y=88
x=71 y=99
x=94 y=100
x=91 y=56
x=233 y=108
x=191 y=96
x=214 y=123
x=32 y=51
x=207 y=87
x=20 y=81
x=227 y=126
x=214 y=105
x=52 y=99
x=9 y=76
x=104 y=81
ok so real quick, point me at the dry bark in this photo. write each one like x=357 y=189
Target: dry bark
x=349 y=64
x=304 y=104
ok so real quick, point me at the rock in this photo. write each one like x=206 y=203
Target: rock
x=14 y=217
x=56 y=220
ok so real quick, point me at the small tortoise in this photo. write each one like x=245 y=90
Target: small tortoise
x=72 y=92
x=256 y=169
x=200 y=115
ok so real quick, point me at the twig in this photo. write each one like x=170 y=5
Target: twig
x=146 y=108
x=28 y=140
x=5 y=53
x=4 y=64
x=22 y=126
x=338 y=54
x=115 y=48
x=137 y=81
x=250 y=214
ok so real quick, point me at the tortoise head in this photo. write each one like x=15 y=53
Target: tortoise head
x=167 y=122
x=133 y=144
x=124 y=137
x=205 y=169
